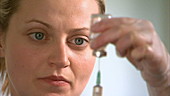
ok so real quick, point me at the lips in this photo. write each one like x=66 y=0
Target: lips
x=58 y=81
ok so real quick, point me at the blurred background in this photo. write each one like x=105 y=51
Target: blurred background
x=119 y=77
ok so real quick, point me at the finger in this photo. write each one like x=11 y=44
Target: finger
x=142 y=52
x=146 y=54
x=139 y=56
x=134 y=62
x=108 y=23
x=139 y=24
x=111 y=35
x=131 y=40
x=115 y=32
x=123 y=44
x=104 y=38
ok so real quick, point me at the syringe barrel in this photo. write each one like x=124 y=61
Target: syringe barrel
x=97 y=90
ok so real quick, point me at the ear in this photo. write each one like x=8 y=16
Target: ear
x=2 y=54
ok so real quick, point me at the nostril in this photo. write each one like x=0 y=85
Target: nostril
x=67 y=63
x=59 y=62
x=66 y=66
x=58 y=57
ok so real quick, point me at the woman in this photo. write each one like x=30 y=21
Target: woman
x=45 y=47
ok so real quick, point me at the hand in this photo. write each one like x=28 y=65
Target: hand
x=138 y=41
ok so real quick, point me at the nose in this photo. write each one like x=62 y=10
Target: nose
x=59 y=56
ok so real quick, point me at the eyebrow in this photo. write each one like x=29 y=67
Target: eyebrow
x=47 y=25
x=38 y=21
x=80 y=29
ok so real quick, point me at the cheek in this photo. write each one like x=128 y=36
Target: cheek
x=18 y=59
x=84 y=66
x=20 y=63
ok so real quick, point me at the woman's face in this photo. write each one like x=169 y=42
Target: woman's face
x=47 y=49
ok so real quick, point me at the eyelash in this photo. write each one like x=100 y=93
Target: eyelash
x=84 y=41
x=34 y=34
x=82 y=44
x=79 y=46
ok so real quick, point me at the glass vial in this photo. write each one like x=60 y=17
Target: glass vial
x=94 y=19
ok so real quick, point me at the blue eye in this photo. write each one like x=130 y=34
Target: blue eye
x=38 y=36
x=79 y=41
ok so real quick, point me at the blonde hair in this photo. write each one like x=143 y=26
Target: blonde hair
x=7 y=9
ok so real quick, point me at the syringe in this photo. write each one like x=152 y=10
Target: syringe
x=99 y=53
x=97 y=89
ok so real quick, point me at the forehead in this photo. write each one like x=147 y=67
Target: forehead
x=60 y=6
x=58 y=10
